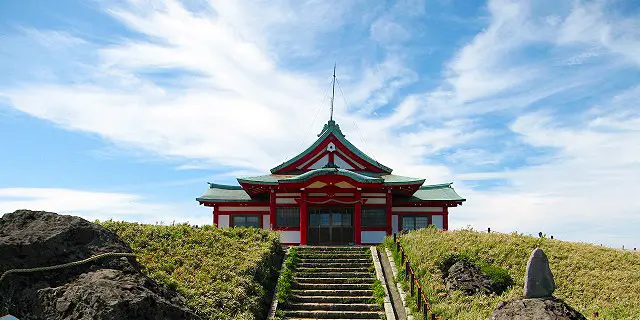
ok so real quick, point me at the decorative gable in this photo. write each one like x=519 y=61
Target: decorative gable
x=331 y=150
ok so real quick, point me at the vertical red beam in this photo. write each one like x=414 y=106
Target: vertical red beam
x=272 y=208
x=215 y=216
x=357 y=219
x=389 y=203
x=445 y=219
x=303 y=218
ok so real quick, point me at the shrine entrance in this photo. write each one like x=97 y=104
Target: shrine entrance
x=330 y=225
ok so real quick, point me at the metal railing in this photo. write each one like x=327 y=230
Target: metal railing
x=409 y=275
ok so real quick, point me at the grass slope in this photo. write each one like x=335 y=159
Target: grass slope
x=590 y=278
x=223 y=273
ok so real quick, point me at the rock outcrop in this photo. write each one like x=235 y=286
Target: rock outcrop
x=109 y=288
x=536 y=309
x=467 y=277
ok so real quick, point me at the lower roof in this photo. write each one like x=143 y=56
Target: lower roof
x=225 y=193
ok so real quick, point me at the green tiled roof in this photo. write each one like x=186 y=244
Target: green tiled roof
x=436 y=192
x=224 y=193
x=332 y=127
x=364 y=177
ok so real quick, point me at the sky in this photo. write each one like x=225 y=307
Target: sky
x=125 y=109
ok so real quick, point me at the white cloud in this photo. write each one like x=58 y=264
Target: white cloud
x=98 y=205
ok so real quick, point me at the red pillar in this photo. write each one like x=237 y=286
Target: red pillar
x=357 y=220
x=272 y=209
x=389 y=212
x=303 y=218
x=215 y=216
x=445 y=219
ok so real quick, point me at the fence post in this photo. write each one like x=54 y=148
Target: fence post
x=418 y=298
x=406 y=269
x=488 y=230
x=425 y=311
x=412 y=281
x=433 y=316
x=394 y=237
x=402 y=256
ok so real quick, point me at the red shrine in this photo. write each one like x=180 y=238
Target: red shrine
x=331 y=193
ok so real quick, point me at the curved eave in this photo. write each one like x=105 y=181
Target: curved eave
x=403 y=183
x=249 y=181
x=332 y=171
x=223 y=186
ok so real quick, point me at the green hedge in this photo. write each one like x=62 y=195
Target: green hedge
x=223 y=273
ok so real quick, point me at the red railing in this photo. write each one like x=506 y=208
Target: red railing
x=409 y=274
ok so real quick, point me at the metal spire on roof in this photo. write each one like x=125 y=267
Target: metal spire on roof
x=333 y=90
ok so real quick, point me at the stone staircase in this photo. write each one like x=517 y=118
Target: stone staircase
x=333 y=283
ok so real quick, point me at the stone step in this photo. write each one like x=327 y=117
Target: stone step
x=324 y=293
x=334 y=274
x=334 y=264
x=368 y=280
x=333 y=248
x=332 y=299
x=334 y=256
x=323 y=314
x=333 y=306
x=337 y=260
x=330 y=269
x=331 y=286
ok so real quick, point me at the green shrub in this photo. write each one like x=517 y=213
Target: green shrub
x=501 y=278
x=378 y=292
x=285 y=281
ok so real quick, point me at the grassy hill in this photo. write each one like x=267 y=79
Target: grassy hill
x=590 y=278
x=223 y=273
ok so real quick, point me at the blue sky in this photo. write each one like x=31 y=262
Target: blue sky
x=125 y=109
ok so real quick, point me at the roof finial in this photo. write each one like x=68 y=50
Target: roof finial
x=333 y=90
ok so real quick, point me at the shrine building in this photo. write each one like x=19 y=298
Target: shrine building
x=331 y=193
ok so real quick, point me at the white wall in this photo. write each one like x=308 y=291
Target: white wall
x=417 y=209
x=266 y=222
x=372 y=236
x=289 y=236
x=438 y=221
x=223 y=221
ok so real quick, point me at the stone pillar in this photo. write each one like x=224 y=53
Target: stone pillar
x=304 y=216
x=357 y=219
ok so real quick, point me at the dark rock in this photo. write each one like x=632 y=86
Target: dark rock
x=538 y=281
x=467 y=277
x=536 y=309
x=109 y=288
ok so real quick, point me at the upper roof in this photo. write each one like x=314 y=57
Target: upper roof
x=331 y=133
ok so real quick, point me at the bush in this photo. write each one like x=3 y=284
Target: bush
x=501 y=278
x=283 y=288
